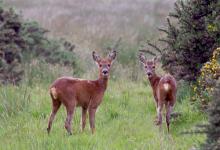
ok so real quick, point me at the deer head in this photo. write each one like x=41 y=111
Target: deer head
x=149 y=65
x=104 y=64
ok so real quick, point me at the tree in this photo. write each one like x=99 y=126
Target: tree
x=191 y=40
x=19 y=38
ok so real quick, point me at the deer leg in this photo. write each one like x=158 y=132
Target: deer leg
x=83 y=119
x=55 y=106
x=168 y=112
x=169 y=109
x=70 y=112
x=92 y=119
x=156 y=105
x=159 y=114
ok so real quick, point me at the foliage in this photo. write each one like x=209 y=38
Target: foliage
x=213 y=128
x=21 y=41
x=210 y=72
x=11 y=45
x=53 y=51
x=191 y=40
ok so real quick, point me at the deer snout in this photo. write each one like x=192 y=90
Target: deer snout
x=105 y=72
x=149 y=74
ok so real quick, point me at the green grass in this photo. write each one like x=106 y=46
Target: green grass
x=124 y=120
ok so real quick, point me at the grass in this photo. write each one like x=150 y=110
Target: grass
x=124 y=120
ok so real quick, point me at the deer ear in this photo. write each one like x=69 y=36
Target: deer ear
x=96 y=57
x=155 y=59
x=141 y=58
x=112 y=55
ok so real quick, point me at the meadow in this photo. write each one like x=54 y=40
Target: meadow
x=124 y=120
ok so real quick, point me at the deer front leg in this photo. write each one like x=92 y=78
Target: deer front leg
x=83 y=120
x=92 y=119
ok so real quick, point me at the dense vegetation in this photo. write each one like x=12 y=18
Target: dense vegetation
x=213 y=129
x=22 y=41
x=192 y=38
x=125 y=118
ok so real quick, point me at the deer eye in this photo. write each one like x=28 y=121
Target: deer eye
x=109 y=65
x=145 y=67
x=153 y=67
x=100 y=65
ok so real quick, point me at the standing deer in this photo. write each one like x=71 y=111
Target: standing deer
x=87 y=94
x=164 y=89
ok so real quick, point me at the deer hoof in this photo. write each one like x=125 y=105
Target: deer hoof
x=156 y=119
x=158 y=122
x=48 y=130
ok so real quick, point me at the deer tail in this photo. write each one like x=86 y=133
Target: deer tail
x=53 y=93
x=166 y=86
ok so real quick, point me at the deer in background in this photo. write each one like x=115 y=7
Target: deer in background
x=164 y=89
x=87 y=94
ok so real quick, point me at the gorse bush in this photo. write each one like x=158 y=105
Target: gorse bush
x=11 y=45
x=210 y=72
x=21 y=41
x=53 y=51
x=190 y=41
x=213 y=128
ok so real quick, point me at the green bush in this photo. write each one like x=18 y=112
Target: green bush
x=22 y=41
x=213 y=128
x=191 y=40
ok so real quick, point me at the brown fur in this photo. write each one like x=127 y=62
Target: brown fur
x=73 y=92
x=162 y=95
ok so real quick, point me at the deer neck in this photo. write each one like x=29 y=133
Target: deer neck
x=154 y=80
x=102 y=83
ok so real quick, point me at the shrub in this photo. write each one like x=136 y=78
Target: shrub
x=213 y=128
x=210 y=72
x=190 y=42
x=21 y=41
x=11 y=45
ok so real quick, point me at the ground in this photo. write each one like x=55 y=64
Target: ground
x=124 y=120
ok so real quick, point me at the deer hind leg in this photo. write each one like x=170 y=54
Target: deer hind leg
x=83 y=119
x=159 y=114
x=169 y=109
x=55 y=106
x=70 y=112
x=156 y=106
x=92 y=112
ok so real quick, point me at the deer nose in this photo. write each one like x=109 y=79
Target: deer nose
x=105 y=72
x=149 y=74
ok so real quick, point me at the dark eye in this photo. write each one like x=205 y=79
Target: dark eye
x=145 y=66
x=109 y=65
x=100 y=65
x=153 y=67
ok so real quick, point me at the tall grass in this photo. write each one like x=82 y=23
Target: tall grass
x=13 y=100
x=124 y=120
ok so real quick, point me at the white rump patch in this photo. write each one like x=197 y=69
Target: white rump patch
x=53 y=92
x=166 y=86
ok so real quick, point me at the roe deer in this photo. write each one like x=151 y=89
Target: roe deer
x=164 y=89
x=87 y=94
